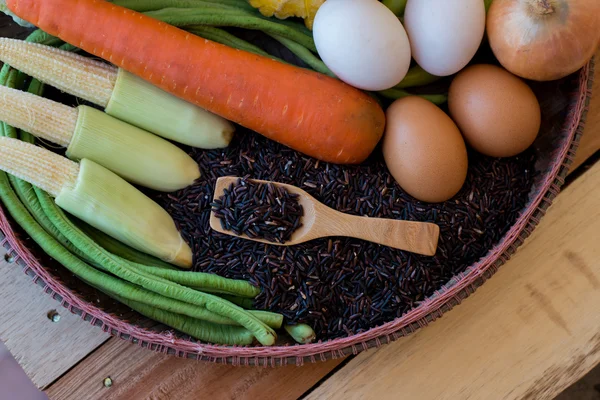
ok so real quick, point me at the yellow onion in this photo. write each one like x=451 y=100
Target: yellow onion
x=544 y=39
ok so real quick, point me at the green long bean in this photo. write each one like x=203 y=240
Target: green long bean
x=488 y=4
x=141 y=295
x=126 y=271
x=396 y=6
x=119 y=249
x=301 y=333
x=55 y=250
x=417 y=76
x=137 y=293
x=305 y=55
x=210 y=332
x=205 y=282
x=215 y=16
x=399 y=94
x=209 y=283
x=58 y=218
x=154 y=5
x=243 y=302
x=241 y=6
x=226 y=38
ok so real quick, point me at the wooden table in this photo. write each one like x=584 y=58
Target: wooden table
x=528 y=333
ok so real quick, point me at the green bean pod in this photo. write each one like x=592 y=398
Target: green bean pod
x=305 y=55
x=122 y=250
x=399 y=94
x=215 y=16
x=243 y=302
x=54 y=249
x=214 y=333
x=396 y=6
x=154 y=5
x=417 y=76
x=205 y=282
x=226 y=38
x=301 y=333
x=126 y=271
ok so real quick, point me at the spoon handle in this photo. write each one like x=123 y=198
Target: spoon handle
x=416 y=237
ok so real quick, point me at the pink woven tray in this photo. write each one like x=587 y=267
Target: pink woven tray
x=556 y=148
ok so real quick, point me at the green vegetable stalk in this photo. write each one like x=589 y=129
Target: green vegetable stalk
x=301 y=333
x=488 y=3
x=396 y=6
x=399 y=94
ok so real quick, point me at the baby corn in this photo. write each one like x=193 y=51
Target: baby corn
x=40 y=167
x=130 y=152
x=123 y=95
x=99 y=197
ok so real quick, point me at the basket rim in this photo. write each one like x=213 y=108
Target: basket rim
x=443 y=300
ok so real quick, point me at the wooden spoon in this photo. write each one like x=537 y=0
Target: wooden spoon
x=321 y=221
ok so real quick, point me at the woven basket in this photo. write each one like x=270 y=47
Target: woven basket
x=567 y=102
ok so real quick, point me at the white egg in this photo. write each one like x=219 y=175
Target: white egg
x=444 y=34
x=362 y=42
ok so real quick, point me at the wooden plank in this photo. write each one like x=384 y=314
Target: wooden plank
x=142 y=374
x=45 y=350
x=528 y=333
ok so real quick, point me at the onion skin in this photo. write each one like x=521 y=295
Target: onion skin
x=544 y=40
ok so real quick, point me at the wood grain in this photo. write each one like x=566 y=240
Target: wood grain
x=142 y=374
x=528 y=333
x=45 y=350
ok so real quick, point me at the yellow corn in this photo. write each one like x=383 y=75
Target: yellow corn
x=99 y=197
x=131 y=152
x=110 y=204
x=83 y=77
x=121 y=94
x=141 y=104
x=41 y=117
x=38 y=166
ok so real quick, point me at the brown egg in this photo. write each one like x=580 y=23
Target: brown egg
x=497 y=113
x=424 y=150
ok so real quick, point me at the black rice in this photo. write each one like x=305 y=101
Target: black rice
x=342 y=286
x=261 y=211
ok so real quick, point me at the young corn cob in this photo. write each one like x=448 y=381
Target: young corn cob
x=99 y=197
x=130 y=152
x=123 y=95
x=46 y=170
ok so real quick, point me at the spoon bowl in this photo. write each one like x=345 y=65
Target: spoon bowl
x=321 y=221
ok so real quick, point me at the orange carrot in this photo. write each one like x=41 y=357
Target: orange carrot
x=305 y=110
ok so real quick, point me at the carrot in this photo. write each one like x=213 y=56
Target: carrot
x=305 y=110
